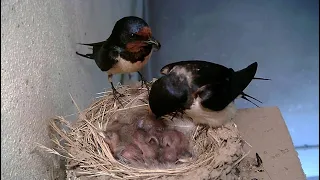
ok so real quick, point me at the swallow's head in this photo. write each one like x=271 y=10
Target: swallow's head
x=190 y=65
x=168 y=94
x=133 y=33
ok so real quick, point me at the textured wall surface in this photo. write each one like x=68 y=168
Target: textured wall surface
x=40 y=68
x=282 y=36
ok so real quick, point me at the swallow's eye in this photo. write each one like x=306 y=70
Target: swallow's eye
x=132 y=35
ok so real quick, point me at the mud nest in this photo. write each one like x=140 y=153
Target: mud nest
x=85 y=143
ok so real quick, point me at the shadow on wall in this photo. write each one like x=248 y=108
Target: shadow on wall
x=40 y=68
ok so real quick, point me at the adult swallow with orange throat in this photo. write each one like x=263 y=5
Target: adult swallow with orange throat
x=127 y=50
x=205 y=91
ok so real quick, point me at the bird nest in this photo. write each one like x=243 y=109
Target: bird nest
x=213 y=153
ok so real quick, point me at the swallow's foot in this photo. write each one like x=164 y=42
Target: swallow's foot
x=147 y=85
x=115 y=92
x=144 y=82
x=117 y=96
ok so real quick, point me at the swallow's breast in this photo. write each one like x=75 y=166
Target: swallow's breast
x=124 y=66
x=202 y=115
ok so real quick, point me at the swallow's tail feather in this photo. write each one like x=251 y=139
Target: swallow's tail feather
x=257 y=78
x=89 y=56
x=98 y=44
x=95 y=48
x=246 y=96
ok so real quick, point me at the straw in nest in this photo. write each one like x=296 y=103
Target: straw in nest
x=215 y=151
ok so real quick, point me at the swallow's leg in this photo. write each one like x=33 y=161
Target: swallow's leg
x=143 y=81
x=130 y=76
x=115 y=92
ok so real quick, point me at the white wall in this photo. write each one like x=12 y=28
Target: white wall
x=40 y=67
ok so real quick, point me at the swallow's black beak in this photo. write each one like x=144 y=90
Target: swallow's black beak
x=155 y=43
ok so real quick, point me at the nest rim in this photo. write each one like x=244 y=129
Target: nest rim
x=98 y=151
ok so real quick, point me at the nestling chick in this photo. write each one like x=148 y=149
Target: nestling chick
x=132 y=154
x=113 y=140
x=148 y=145
x=174 y=144
x=151 y=125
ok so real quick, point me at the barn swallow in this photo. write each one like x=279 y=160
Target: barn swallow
x=127 y=50
x=205 y=91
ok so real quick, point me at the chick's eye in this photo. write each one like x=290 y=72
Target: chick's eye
x=132 y=35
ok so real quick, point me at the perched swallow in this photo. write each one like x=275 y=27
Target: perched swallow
x=205 y=91
x=127 y=50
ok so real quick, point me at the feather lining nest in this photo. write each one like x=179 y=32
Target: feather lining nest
x=216 y=152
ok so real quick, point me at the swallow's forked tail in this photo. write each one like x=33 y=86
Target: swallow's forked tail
x=95 y=48
x=246 y=96
x=243 y=78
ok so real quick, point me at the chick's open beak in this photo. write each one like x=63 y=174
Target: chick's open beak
x=155 y=43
